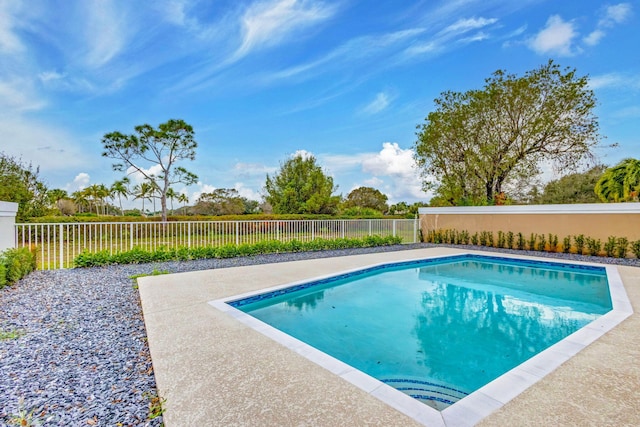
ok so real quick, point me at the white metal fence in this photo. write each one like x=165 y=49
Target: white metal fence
x=57 y=245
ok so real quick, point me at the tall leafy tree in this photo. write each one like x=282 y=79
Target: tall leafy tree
x=477 y=143
x=20 y=183
x=300 y=186
x=164 y=146
x=221 y=201
x=367 y=197
x=620 y=183
x=573 y=188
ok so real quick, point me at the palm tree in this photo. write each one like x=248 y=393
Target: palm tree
x=56 y=194
x=80 y=199
x=120 y=189
x=620 y=182
x=171 y=194
x=143 y=191
x=182 y=198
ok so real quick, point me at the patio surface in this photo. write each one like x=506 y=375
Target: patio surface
x=214 y=370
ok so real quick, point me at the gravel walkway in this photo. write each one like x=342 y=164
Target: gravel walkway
x=81 y=357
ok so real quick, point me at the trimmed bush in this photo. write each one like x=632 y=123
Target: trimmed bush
x=16 y=264
x=566 y=244
x=635 y=248
x=579 y=241
x=137 y=255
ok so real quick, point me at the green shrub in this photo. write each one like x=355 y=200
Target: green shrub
x=593 y=246
x=532 y=242
x=510 y=237
x=501 y=239
x=483 y=238
x=542 y=243
x=553 y=242
x=138 y=255
x=635 y=248
x=520 y=243
x=622 y=244
x=3 y=275
x=610 y=246
x=474 y=239
x=566 y=244
x=579 y=241
x=16 y=264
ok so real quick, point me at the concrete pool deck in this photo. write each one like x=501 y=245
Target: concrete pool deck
x=215 y=370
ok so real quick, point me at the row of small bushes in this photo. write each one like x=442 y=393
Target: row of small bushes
x=137 y=255
x=617 y=247
x=15 y=264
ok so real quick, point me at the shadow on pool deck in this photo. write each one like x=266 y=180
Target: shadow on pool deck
x=213 y=370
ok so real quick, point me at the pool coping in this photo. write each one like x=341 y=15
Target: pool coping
x=200 y=353
x=477 y=405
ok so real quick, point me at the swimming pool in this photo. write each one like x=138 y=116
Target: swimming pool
x=430 y=314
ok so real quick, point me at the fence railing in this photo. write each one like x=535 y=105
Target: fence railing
x=57 y=245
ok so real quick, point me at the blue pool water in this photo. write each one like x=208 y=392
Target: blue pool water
x=438 y=329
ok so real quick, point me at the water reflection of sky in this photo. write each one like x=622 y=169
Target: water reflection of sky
x=438 y=323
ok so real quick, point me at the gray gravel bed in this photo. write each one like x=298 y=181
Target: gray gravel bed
x=81 y=357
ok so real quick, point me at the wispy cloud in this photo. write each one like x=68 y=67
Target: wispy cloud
x=379 y=103
x=271 y=22
x=106 y=32
x=447 y=37
x=555 y=38
x=612 y=16
x=355 y=50
x=615 y=80
x=17 y=94
x=9 y=41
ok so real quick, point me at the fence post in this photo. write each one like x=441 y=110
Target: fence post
x=415 y=229
x=369 y=227
x=313 y=229
x=189 y=234
x=343 y=226
x=8 y=228
x=394 y=228
x=61 y=240
x=130 y=235
x=237 y=233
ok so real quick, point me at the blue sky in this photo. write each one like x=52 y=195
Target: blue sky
x=347 y=81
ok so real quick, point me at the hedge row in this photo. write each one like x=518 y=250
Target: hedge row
x=617 y=247
x=137 y=255
x=15 y=264
x=177 y=217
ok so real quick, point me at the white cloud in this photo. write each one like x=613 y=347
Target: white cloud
x=379 y=103
x=399 y=166
x=106 y=32
x=17 y=94
x=270 y=22
x=614 y=80
x=464 y=25
x=615 y=14
x=9 y=41
x=80 y=182
x=201 y=188
x=555 y=38
x=247 y=192
x=594 y=37
x=302 y=153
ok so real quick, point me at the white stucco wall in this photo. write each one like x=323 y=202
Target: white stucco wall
x=7 y=222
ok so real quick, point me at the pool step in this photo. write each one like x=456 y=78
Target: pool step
x=436 y=395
